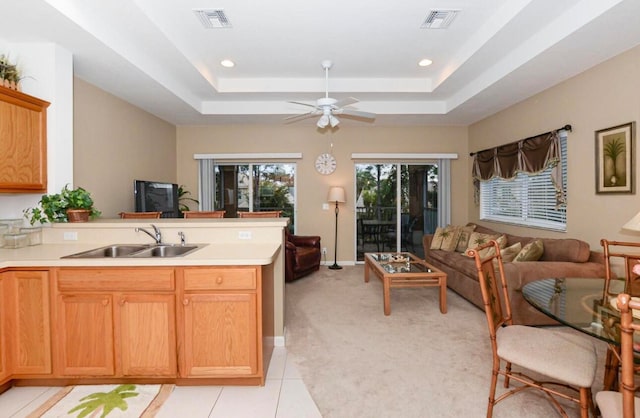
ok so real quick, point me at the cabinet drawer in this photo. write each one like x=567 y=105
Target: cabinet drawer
x=223 y=278
x=116 y=279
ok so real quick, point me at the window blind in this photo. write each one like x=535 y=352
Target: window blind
x=528 y=199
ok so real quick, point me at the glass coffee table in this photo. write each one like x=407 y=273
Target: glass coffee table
x=404 y=270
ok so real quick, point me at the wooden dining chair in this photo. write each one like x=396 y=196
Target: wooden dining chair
x=263 y=214
x=621 y=255
x=626 y=253
x=140 y=215
x=568 y=359
x=623 y=404
x=204 y=214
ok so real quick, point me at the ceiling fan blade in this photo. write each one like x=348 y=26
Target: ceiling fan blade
x=357 y=113
x=303 y=104
x=301 y=116
x=345 y=102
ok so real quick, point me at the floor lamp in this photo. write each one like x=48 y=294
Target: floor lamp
x=336 y=194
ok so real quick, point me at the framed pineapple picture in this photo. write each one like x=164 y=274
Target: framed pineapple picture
x=615 y=159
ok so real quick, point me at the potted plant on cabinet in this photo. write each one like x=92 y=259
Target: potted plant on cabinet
x=9 y=74
x=70 y=205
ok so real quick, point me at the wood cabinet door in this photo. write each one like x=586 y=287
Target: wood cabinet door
x=23 y=141
x=85 y=335
x=29 y=322
x=147 y=335
x=220 y=332
x=5 y=366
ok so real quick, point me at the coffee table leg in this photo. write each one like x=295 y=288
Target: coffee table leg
x=386 y=297
x=366 y=271
x=443 y=295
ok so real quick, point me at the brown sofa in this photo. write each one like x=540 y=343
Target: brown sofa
x=561 y=258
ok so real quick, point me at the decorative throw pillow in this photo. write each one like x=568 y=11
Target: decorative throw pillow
x=508 y=254
x=488 y=252
x=436 y=241
x=477 y=239
x=446 y=238
x=463 y=241
x=530 y=252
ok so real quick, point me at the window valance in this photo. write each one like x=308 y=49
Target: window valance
x=530 y=155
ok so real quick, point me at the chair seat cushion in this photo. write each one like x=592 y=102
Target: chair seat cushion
x=569 y=358
x=610 y=404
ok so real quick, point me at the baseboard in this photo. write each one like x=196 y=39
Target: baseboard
x=340 y=263
x=275 y=341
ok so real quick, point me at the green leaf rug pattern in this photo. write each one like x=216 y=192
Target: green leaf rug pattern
x=105 y=401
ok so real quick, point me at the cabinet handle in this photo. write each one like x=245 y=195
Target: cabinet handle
x=185 y=302
x=219 y=280
x=105 y=302
x=123 y=301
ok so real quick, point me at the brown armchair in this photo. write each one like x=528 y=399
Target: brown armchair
x=302 y=255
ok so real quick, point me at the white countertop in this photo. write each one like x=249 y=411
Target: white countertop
x=49 y=255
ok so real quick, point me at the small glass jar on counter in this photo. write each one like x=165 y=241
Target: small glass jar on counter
x=14 y=224
x=34 y=234
x=4 y=229
x=15 y=240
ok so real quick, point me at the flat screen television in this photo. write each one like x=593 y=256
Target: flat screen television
x=156 y=196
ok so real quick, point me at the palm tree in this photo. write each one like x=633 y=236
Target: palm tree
x=613 y=149
x=106 y=402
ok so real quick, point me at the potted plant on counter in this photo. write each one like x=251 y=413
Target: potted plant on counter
x=70 y=205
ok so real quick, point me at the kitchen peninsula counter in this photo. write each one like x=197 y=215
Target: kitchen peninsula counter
x=169 y=305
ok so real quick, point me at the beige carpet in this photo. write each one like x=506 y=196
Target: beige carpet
x=417 y=362
x=109 y=401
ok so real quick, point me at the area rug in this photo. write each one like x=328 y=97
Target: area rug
x=358 y=363
x=105 y=401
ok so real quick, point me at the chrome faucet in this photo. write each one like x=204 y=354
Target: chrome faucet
x=183 y=240
x=156 y=235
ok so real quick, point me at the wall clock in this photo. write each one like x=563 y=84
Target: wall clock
x=325 y=163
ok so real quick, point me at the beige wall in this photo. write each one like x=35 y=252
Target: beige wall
x=605 y=96
x=312 y=187
x=115 y=143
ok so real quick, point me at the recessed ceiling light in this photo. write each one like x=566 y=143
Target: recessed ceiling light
x=425 y=62
x=227 y=63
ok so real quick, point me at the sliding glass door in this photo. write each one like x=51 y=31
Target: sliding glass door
x=396 y=204
x=254 y=187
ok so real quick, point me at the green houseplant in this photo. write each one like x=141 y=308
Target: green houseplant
x=70 y=205
x=9 y=73
x=184 y=197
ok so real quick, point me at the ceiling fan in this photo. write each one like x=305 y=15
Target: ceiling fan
x=329 y=107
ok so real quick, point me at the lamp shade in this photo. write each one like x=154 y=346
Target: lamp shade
x=337 y=194
x=633 y=224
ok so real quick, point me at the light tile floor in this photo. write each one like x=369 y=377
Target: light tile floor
x=284 y=395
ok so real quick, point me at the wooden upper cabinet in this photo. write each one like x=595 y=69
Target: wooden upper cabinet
x=23 y=143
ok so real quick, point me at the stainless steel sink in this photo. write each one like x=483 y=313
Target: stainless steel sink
x=137 y=250
x=163 y=250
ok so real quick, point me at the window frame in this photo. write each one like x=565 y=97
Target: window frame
x=521 y=187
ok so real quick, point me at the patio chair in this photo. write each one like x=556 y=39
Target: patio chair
x=568 y=359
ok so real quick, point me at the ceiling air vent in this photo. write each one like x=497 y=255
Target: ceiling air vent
x=439 y=19
x=212 y=18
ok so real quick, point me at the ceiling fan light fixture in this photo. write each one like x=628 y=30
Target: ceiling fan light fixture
x=323 y=121
x=333 y=121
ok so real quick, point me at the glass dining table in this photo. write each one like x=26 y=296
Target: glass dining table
x=579 y=303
